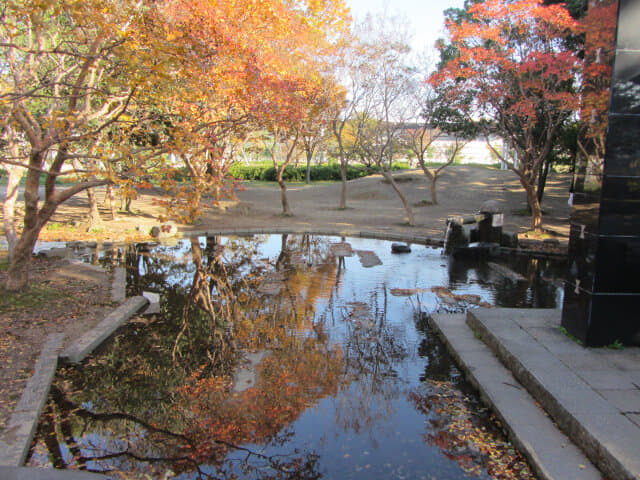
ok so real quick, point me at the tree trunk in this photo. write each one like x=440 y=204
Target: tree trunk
x=286 y=210
x=405 y=203
x=18 y=273
x=111 y=198
x=9 y=206
x=308 y=175
x=93 y=218
x=534 y=204
x=542 y=179
x=434 y=197
x=343 y=185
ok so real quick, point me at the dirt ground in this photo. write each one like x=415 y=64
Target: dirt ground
x=371 y=205
x=60 y=300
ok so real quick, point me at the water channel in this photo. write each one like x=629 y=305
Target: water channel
x=288 y=356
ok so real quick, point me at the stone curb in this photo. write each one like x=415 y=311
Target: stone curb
x=374 y=234
x=549 y=452
x=379 y=235
x=550 y=392
x=88 y=342
x=29 y=473
x=15 y=440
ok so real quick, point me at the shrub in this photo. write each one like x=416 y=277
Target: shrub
x=323 y=172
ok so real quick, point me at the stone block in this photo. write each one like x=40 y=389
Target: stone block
x=92 y=339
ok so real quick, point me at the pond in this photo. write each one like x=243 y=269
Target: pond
x=288 y=356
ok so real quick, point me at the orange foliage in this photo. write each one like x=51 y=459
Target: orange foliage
x=291 y=379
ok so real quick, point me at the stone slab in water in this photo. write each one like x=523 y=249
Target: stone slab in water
x=506 y=272
x=368 y=258
x=246 y=376
x=342 y=249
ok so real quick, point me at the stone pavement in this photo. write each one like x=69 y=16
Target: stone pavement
x=592 y=395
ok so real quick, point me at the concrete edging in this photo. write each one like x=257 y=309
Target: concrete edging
x=88 y=342
x=16 y=439
x=31 y=473
x=409 y=238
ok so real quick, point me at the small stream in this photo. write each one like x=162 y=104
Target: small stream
x=287 y=356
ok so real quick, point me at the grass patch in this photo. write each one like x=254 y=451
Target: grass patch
x=36 y=297
x=53 y=226
x=569 y=336
x=616 y=345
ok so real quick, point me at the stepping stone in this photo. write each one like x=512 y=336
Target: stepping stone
x=368 y=258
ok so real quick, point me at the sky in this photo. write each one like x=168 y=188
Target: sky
x=425 y=18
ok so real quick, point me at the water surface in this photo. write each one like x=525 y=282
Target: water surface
x=287 y=356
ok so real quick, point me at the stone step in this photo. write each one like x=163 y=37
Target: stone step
x=541 y=359
x=550 y=453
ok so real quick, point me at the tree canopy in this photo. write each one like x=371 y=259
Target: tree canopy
x=104 y=91
x=512 y=58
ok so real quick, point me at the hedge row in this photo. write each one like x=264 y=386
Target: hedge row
x=327 y=171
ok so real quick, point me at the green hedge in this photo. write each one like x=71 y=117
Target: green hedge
x=326 y=171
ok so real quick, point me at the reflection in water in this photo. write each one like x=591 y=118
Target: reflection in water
x=352 y=384
x=599 y=29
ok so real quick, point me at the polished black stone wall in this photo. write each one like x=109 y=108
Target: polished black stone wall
x=602 y=294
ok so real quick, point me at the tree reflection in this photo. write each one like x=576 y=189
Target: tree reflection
x=144 y=405
x=440 y=365
x=166 y=396
x=539 y=290
x=373 y=352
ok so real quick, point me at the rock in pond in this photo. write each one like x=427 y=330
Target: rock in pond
x=400 y=248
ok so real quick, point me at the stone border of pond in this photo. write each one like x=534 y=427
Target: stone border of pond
x=16 y=438
x=525 y=249
x=378 y=235
x=591 y=394
x=551 y=455
x=86 y=344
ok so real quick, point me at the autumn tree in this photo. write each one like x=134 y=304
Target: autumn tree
x=384 y=107
x=315 y=127
x=433 y=117
x=82 y=79
x=69 y=75
x=351 y=68
x=512 y=57
x=599 y=28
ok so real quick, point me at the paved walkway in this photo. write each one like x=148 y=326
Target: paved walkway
x=593 y=395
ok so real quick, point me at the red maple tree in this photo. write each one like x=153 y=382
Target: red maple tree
x=512 y=55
